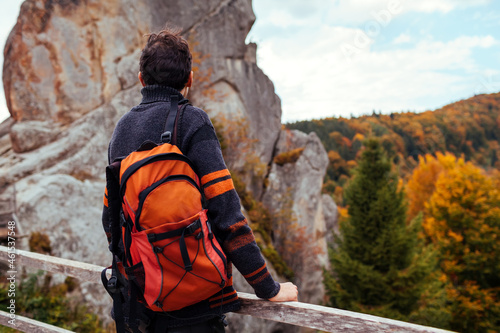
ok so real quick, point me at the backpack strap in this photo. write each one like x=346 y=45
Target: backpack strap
x=113 y=285
x=183 y=103
x=170 y=130
x=114 y=204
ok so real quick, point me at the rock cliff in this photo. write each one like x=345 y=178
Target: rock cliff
x=293 y=194
x=70 y=73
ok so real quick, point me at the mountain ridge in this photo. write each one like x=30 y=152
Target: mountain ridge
x=469 y=128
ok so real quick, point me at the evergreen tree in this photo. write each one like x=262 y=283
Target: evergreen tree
x=378 y=265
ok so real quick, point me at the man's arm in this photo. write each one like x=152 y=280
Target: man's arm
x=105 y=216
x=224 y=211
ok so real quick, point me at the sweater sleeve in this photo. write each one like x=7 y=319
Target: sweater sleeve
x=105 y=216
x=224 y=210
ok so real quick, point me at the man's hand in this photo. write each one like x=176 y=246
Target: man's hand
x=288 y=292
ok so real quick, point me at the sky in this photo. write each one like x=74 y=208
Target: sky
x=331 y=58
x=343 y=58
x=8 y=17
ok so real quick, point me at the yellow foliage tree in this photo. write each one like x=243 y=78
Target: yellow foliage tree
x=422 y=182
x=358 y=137
x=463 y=221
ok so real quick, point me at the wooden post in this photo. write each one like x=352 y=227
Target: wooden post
x=295 y=313
x=80 y=270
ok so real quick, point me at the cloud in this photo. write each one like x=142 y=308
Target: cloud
x=355 y=12
x=287 y=13
x=443 y=6
x=490 y=19
x=402 y=39
x=318 y=81
x=330 y=61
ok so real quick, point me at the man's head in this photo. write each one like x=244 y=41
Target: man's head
x=166 y=60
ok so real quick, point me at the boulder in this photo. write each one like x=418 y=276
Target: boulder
x=330 y=213
x=244 y=90
x=62 y=57
x=293 y=196
x=29 y=135
x=52 y=205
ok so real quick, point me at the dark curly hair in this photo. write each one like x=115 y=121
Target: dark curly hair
x=166 y=59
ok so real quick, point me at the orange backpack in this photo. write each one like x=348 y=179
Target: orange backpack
x=162 y=242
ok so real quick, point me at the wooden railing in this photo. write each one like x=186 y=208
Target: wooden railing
x=296 y=313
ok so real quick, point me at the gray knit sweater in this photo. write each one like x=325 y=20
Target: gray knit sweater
x=197 y=140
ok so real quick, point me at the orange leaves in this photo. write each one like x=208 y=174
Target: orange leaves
x=234 y=137
x=352 y=164
x=358 y=137
x=337 y=137
x=462 y=220
x=474 y=309
x=202 y=74
x=457 y=237
x=463 y=197
x=288 y=157
x=469 y=128
x=422 y=182
x=346 y=142
x=360 y=126
x=334 y=156
x=467 y=189
x=343 y=213
x=461 y=206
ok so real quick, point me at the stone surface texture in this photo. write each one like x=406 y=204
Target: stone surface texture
x=70 y=72
x=294 y=195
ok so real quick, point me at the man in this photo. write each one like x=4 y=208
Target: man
x=165 y=70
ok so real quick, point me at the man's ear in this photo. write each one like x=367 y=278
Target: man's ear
x=141 y=79
x=190 y=80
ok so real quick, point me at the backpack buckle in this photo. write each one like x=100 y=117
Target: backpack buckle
x=223 y=320
x=190 y=229
x=113 y=284
x=210 y=233
x=166 y=137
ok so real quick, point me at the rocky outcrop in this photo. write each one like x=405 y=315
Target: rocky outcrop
x=330 y=213
x=66 y=58
x=70 y=72
x=293 y=194
x=243 y=90
x=52 y=203
x=62 y=58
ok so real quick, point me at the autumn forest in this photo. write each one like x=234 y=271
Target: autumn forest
x=419 y=203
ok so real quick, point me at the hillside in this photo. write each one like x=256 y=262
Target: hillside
x=468 y=128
